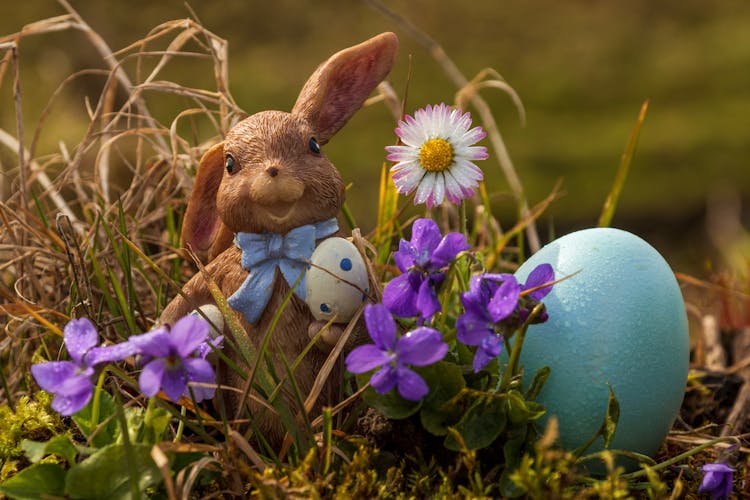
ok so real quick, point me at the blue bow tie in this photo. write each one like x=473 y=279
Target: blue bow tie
x=263 y=253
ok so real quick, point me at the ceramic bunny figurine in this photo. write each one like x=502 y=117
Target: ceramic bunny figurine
x=262 y=200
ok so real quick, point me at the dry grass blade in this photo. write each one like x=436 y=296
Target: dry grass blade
x=532 y=215
x=248 y=450
x=162 y=463
x=495 y=81
x=41 y=176
x=108 y=56
x=485 y=113
x=64 y=229
x=331 y=360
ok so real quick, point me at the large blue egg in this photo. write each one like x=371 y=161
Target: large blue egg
x=620 y=320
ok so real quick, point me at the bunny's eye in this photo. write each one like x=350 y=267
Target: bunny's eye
x=230 y=164
x=314 y=146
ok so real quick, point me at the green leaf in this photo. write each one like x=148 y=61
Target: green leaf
x=465 y=355
x=34 y=482
x=540 y=377
x=622 y=171
x=60 y=444
x=99 y=436
x=134 y=423
x=609 y=426
x=146 y=426
x=445 y=381
x=104 y=474
x=155 y=425
x=521 y=411
x=391 y=404
x=481 y=425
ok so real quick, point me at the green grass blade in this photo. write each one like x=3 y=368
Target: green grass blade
x=122 y=301
x=622 y=171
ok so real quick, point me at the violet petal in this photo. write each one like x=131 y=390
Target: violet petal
x=404 y=256
x=51 y=374
x=481 y=359
x=174 y=382
x=421 y=347
x=471 y=329
x=410 y=385
x=425 y=237
x=80 y=336
x=400 y=297
x=541 y=274
x=384 y=380
x=69 y=405
x=427 y=301
x=76 y=384
x=381 y=326
x=188 y=333
x=450 y=246
x=151 y=377
x=110 y=354
x=492 y=345
x=364 y=358
x=199 y=370
x=505 y=300
x=155 y=343
x=209 y=346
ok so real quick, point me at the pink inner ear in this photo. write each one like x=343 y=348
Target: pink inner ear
x=203 y=232
x=347 y=88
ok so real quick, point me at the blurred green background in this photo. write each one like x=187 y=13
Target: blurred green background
x=582 y=69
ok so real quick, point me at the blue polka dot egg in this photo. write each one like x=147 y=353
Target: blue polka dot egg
x=618 y=320
x=336 y=281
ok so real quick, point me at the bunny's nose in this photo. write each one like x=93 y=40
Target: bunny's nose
x=272 y=171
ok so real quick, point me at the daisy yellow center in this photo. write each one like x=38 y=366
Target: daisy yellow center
x=436 y=155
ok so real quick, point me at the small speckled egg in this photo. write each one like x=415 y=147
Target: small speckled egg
x=336 y=281
x=620 y=321
x=214 y=316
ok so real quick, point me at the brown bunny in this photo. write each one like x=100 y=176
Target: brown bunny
x=266 y=182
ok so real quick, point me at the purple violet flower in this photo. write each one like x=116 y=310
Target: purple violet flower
x=476 y=327
x=422 y=262
x=209 y=345
x=717 y=481
x=70 y=381
x=540 y=275
x=493 y=299
x=172 y=361
x=420 y=347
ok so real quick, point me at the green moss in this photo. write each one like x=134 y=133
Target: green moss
x=32 y=419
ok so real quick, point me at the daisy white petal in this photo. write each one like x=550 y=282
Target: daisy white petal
x=472 y=136
x=424 y=190
x=402 y=153
x=407 y=177
x=438 y=192
x=435 y=158
x=453 y=191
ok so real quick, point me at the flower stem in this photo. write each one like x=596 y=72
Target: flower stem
x=97 y=397
x=680 y=457
x=180 y=424
x=462 y=218
x=515 y=353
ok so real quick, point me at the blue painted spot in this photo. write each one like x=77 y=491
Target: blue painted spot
x=324 y=307
x=346 y=264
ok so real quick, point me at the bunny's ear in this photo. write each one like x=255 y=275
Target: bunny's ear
x=202 y=229
x=339 y=87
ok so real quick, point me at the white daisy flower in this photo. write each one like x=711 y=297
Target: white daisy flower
x=436 y=156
